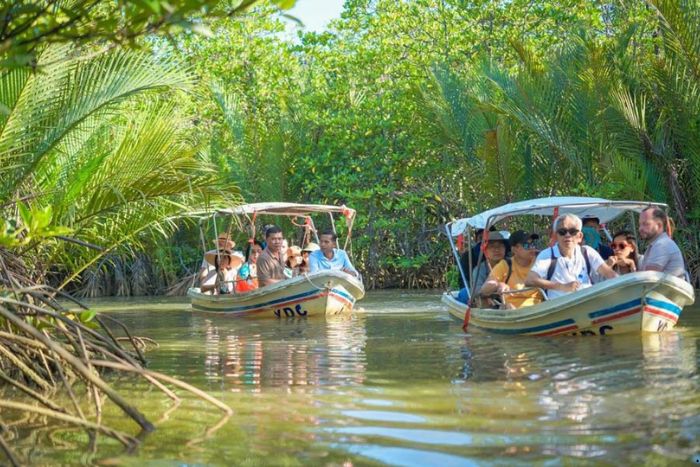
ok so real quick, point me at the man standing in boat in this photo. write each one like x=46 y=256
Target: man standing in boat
x=662 y=253
x=330 y=257
x=270 y=264
x=567 y=266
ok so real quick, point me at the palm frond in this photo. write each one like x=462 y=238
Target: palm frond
x=49 y=109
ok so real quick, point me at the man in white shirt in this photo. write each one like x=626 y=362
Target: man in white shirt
x=567 y=266
x=662 y=254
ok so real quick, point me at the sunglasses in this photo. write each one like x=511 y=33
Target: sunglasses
x=619 y=246
x=572 y=231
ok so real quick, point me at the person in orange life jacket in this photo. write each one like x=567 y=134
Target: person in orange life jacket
x=248 y=273
x=567 y=266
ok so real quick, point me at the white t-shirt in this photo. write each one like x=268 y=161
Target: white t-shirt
x=567 y=269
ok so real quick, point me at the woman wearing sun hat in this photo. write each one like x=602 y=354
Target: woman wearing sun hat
x=221 y=278
x=308 y=249
x=294 y=260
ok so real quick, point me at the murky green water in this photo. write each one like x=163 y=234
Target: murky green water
x=400 y=383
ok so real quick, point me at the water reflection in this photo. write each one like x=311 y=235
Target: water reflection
x=288 y=354
x=401 y=384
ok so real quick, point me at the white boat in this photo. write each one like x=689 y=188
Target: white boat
x=638 y=302
x=321 y=293
x=317 y=294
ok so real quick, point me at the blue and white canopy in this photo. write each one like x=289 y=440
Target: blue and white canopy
x=604 y=209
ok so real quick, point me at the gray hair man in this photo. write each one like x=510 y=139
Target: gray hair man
x=567 y=266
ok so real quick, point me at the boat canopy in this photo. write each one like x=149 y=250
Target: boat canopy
x=604 y=209
x=287 y=209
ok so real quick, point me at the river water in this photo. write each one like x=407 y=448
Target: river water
x=398 y=383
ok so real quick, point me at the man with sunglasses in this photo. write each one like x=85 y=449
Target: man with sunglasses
x=567 y=266
x=510 y=273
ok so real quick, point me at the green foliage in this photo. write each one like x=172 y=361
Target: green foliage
x=413 y=112
x=103 y=151
x=35 y=224
x=418 y=112
x=28 y=25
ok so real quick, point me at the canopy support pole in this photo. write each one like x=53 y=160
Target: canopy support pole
x=459 y=264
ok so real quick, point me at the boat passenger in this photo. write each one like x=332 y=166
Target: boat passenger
x=567 y=266
x=510 y=273
x=591 y=237
x=496 y=246
x=308 y=249
x=247 y=279
x=330 y=257
x=625 y=259
x=662 y=253
x=284 y=249
x=270 y=264
x=225 y=269
x=294 y=259
x=223 y=242
x=468 y=266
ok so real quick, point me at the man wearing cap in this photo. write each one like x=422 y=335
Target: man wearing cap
x=496 y=245
x=509 y=274
x=567 y=266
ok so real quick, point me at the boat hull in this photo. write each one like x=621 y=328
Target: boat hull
x=318 y=294
x=638 y=302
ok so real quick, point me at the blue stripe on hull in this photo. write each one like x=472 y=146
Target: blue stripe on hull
x=259 y=305
x=673 y=308
x=615 y=309
x=544 y=327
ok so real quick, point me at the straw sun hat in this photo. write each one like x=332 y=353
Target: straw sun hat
x=237 y=257
x=311 y=246
x=229 y=243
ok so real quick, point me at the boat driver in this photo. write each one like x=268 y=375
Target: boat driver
x=567 y=266
x=330 y=257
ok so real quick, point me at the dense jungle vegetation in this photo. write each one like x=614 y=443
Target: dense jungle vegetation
x=412 y=112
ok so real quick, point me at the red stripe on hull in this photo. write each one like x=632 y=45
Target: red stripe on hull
x=662 y=313
x=605 y=319
x=341 y=298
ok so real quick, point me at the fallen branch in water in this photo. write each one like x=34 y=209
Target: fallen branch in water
x=47 y=350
